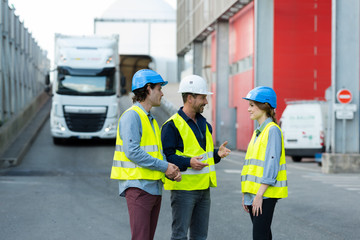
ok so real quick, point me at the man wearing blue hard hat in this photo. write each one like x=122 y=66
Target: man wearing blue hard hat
x=138 y=162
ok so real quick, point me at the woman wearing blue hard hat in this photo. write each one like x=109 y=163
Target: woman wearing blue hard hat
x=138 y=161
x=263 y=177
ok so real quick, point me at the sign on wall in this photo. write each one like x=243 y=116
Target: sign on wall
x=344 y=110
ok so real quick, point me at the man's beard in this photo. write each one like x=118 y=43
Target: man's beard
x=200 y=108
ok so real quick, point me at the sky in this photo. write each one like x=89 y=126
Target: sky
x=44 y=18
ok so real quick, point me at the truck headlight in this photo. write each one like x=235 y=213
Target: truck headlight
x=110 y=127
x=59 y=126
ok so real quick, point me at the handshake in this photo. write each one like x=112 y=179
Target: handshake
x=173 y=172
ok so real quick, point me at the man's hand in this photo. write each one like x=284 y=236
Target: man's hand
x=223 y=150
x=196 y=164
x=173 y=172
x=178 y=177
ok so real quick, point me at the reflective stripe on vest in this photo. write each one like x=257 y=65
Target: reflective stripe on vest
x=253 y=168
x=150 y=148
x=193 y=179
x=258 y=180
x=261 y=163
x=123 y=168
x=206 y=169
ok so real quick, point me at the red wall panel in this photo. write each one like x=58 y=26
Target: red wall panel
x=241 y=46
x=213 y=52
x=302 y=50
x=213 y=85
x=213 y=111
x=242 y=84
x=241 y=30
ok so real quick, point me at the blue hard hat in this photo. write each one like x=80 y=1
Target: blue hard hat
x=262 y=94
x=145 y=76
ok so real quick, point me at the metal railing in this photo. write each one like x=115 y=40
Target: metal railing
x=24 y=66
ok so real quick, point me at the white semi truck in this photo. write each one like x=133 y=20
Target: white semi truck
x=85 y=87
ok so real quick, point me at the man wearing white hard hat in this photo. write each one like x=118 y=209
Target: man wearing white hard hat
x=187 y=143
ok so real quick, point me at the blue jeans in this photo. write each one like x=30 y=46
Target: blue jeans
x=190 y=209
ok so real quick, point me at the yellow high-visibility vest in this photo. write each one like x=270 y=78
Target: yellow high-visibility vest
x=253 y=168
x=125 y=169
x=193 y=179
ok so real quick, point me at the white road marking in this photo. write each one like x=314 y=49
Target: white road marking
x=239 y=162
x=347 y=185
x=232 y=171
x=19 y=182
x=353 y=189
x=350 y=183
x=302 y=168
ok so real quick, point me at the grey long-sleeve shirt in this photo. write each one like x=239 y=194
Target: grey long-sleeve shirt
x=130 y=132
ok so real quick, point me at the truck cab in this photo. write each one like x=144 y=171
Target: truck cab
x=85 y=88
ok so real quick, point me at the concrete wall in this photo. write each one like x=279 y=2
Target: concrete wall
x=12 y=128
x=340 y=163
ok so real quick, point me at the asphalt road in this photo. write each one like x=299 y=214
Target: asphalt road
x=64 y=192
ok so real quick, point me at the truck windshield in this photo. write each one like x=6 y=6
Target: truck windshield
x=89 y=85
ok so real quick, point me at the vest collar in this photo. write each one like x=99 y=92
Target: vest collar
x=263 y=125
x=142 y=108
x=198 y=116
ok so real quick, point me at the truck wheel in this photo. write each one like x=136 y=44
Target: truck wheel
x=296 y=158
x=57 y=141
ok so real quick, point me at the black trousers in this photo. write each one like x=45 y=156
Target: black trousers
x=262 y=223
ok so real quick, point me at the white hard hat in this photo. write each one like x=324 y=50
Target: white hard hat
x=194 y=84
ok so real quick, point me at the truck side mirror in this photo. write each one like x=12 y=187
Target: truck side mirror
x=47 y=79
x=122 y=81
x=48 y=90
x=122 y=85
x=61 y=77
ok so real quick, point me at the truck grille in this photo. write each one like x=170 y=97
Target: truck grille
x=85 y=122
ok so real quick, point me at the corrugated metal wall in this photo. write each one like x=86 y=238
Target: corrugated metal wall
x=195 y=16
x=23 y=65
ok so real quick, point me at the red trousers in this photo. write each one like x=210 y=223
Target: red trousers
x=144 y=210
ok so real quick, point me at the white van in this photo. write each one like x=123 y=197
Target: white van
x=304 y=125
